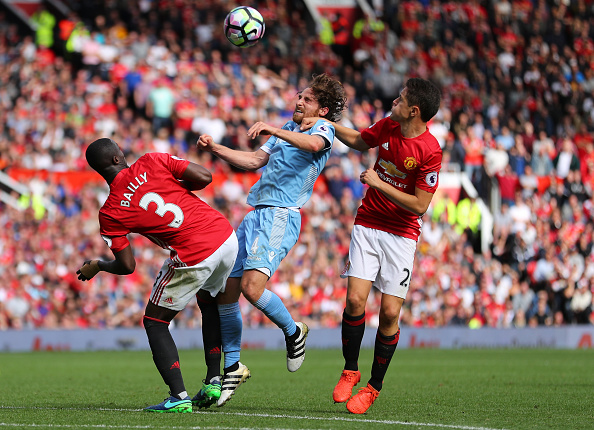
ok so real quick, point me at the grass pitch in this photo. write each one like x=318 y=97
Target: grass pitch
x=424 y=389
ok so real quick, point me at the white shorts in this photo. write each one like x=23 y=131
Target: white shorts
x=174 y=286
x=383 y=258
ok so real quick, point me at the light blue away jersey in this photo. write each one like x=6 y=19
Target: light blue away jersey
x=289 y=176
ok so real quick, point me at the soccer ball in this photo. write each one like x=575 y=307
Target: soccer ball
x=244 y=26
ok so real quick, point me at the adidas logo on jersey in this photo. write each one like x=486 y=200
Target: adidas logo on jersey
x=385 y=146
x=169 y=300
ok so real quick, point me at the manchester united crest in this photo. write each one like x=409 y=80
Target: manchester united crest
x=410 y=163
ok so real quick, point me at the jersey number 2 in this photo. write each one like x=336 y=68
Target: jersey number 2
x=163 y=208
x=404 y=282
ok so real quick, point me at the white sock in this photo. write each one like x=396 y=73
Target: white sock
x=182 y=395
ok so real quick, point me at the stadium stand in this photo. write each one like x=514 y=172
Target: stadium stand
x=517 y=118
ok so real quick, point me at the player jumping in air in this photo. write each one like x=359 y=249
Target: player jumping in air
x=294 y=159
x=386 y=230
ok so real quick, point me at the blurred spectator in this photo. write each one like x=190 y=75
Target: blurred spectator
x=45 y=22
x=508 y=185
x=580 y=305
x=468 y=215
x=524 y=298
x=566 y=160
x=541 y=163
x=540 y=313
x=159 y=106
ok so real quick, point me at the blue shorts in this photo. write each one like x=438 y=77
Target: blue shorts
x=265 y=237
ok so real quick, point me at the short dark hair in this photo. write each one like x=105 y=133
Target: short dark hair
x=100 y=153
x=329 y=93
x=425 y=95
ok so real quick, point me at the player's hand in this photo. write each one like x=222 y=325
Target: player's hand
x=308 y=123
x=89 y=269
x=205 y=142
x=260 y=128
x=371 y=178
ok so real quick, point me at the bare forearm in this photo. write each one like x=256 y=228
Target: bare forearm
x=124 y=264
x=241 y=159
x=115 y=267
x=306 y=142
x=410 y=202
x=351 y=138
x=406 y=201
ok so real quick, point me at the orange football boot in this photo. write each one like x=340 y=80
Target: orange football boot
x=344 y=388
x=361 y=401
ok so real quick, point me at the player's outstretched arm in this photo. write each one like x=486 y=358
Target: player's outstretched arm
x=348 y=136
x=242 y=159
x=124 y=264
x=305 y=142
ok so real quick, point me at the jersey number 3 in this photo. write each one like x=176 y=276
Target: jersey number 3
x=163 y=208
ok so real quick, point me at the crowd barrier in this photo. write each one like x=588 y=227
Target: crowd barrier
x=569 y=337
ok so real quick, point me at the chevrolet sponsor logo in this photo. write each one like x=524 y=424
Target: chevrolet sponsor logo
x=391 y=169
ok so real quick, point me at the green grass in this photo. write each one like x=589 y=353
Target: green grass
x=457 y=389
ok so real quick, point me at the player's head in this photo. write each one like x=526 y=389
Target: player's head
x=329 y=95
x=423 y=95
x=105 y=156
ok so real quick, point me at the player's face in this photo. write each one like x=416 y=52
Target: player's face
x=400 y=108
x=307 y=106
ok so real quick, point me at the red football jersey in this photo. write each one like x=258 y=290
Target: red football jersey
x=405 y=164
x=148 y=199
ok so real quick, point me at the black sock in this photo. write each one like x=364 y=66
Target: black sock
x=295 y=335
x=165 y=354
x=211 y=337
x=353 y=329
x=382 y=354
x=231 y=368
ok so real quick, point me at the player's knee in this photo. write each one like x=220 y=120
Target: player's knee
x=355 y=304
x=251 y=294
x=149 y=322
x=251 y=291
x=389 y=316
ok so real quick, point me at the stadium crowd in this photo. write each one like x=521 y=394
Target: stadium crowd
x=517 y=117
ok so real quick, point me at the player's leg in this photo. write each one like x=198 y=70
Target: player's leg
x=253 y=286
x=254 y=289
x=352 y=331
x=231 y=321
x=396 y=261
x=273 y=233
x=386 y=341
x=210 y=391
x=173 y=289
x=211 y=333
x=228 y=302
x=226 y=289
x=234 y=372
x=269 y=235
x=361 y=270
x=166 y=358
